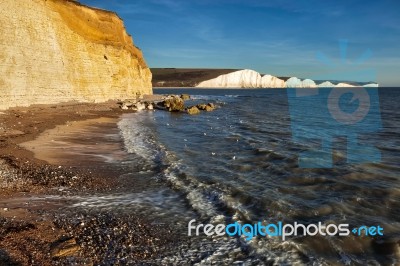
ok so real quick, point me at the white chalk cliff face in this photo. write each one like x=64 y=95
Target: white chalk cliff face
x=297 y=83
x=243 y=79
x=343 y=85
x=373 y=85
x=308 y=83
x=247 y=78
x=239 y=79
x=326 y=84
x=293 y=83
x=269 y=81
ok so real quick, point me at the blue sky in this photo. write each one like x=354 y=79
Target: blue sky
x=278 y=37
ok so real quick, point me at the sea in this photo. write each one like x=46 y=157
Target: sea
x=265 y=155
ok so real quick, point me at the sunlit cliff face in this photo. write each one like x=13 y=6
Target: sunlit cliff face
x=54 y=51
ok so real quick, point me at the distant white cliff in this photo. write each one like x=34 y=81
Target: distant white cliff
x=243 y=79
x=268 y=81
x=294 y=82
x=343 y=85
x=326 y=84
x=371 y=85
x=239 y=79
x=297 y=83
x=248 y=78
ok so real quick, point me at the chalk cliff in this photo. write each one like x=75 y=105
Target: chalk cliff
x=343 y=85
x=268 y=81
x=239 y=79
x=294 y=82
x=371 y=85
x=247 y=78
x=326 y=84
x=59 y=50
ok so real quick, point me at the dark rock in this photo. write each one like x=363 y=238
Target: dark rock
x=125 y=105
x=387 y=246
x=193 y=110
x=210 y=108
x=149 y=106
x=185 y=97
x=64 y=247
x=139 y=106
x=5 y=259
x=202 y=106
x=173 y=104
x=206 y=107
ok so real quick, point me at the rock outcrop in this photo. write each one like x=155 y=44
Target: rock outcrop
x=172 y=104
x=193 y=110
x=59 y=50
x=206 y=107
x=185 y=97
x=251 y=79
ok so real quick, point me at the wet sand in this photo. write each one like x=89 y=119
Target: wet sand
x=56 y=147
x=32 y=165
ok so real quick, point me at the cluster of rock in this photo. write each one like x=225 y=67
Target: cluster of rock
x=175 y=103
x=136 y=105
x=194 y=110
x=170 y=103
x=248 y=78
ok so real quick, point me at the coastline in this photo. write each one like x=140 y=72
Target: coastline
x=43 y=233
x=22 y=124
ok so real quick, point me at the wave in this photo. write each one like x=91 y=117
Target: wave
x=138 y=137
x=211 y=202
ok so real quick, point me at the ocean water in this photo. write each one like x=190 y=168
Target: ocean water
x=240 y=163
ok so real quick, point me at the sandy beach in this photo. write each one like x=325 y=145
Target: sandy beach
x=42 y=233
